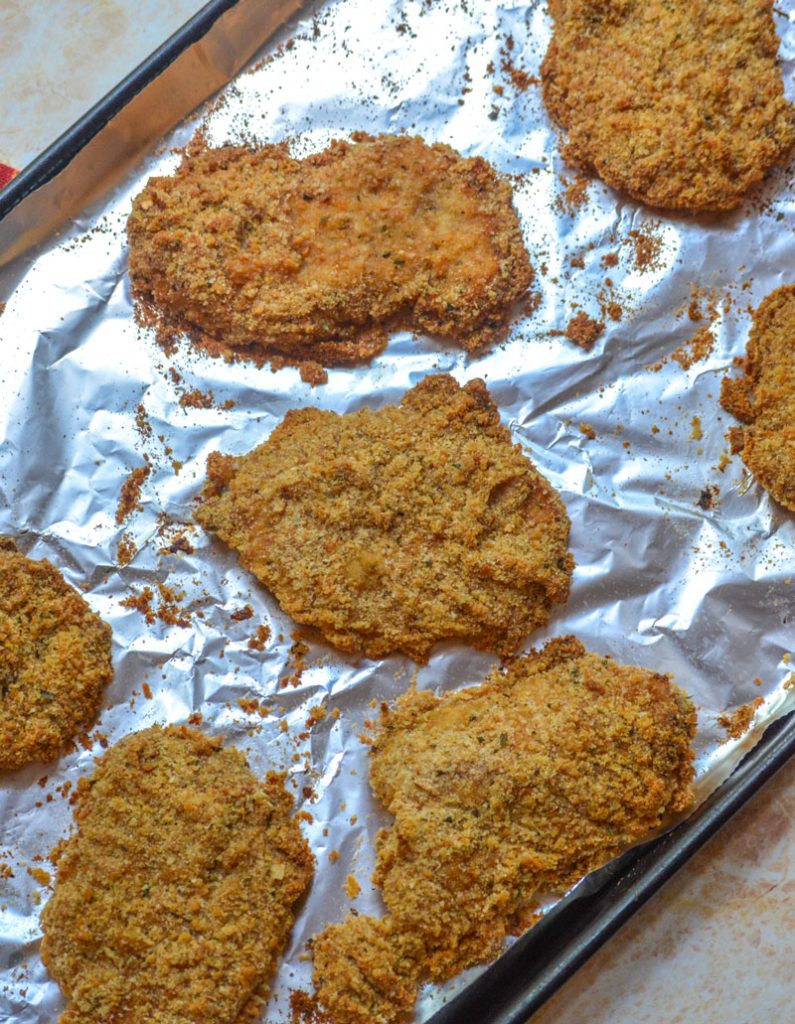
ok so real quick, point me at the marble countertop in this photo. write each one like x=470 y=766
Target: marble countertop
x=54 y=67
x=717 y=943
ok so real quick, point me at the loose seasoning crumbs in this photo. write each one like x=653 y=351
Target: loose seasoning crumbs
x=312 y=373
x=131 y=492
x=576 y=193
x=583 y=330
x=168 y=611
x=126 y=551
x=738 y=721
x=692 y=351
x=708 y=497
x=260 y=639
x=647 y=247
x=521 y=80
x=40 y=875
x=197 y=399
x=316 y=714
x=297 y=661
x=352 y=887
x=695 y=349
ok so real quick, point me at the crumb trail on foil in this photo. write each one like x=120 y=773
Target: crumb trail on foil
x=738 y=721
x=521 y=784
x=130 y=496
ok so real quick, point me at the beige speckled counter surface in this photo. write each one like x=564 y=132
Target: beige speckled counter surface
x=57 y=60
x=717 y=944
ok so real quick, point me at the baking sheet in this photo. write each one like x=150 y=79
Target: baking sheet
x=671 y=574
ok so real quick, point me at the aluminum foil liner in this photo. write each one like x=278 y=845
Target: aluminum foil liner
x=684 y=565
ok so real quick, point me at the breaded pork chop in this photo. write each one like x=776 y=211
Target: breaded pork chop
x=263 y=255
x=764 y=398
x=521 y=784
x=680 y=103
x=55 y=660
x=394 y=529
x=174 y=897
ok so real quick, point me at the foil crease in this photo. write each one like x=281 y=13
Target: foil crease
x=697 y=586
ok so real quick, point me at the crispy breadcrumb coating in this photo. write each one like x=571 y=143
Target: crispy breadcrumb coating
x=394 y=529
x=174 y=897
x=765 y=397
x=521 y=784
x=55 y=660
x=259 y=254
x=680 y=103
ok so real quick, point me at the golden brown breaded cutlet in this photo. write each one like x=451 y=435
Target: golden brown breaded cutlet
x=764 y=398
x=174 y=897
x=521 y=784
x=680 y=103
x=393 y=529
x=259 y=254
x=55 y=660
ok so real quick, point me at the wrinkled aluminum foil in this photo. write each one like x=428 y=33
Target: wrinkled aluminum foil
x=684 y=564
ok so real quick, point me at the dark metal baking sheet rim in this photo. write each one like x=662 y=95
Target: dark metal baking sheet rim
x=63 y=150
x=547 y=955
x=512 y=989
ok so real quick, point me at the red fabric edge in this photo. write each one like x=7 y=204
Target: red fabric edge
x=6 y=174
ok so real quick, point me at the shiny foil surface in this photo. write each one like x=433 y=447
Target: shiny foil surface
x=684 y=564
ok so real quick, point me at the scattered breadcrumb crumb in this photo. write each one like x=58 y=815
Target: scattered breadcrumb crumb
x=738 y=721
x=126 y=550
x=583 y=330
x=259 y=641
x=168 y=610
x=351 y=887
x=695 y=349
x=242 y=614
x=197 y=399
x=129 y=500
x=646 y=247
